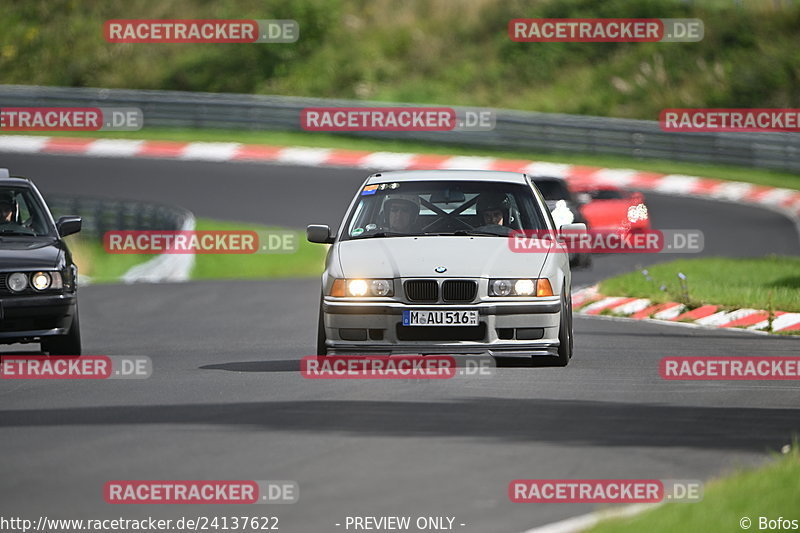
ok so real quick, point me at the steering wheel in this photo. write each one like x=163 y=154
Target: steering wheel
x=449 y=224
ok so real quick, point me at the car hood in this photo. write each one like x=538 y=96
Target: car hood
x=407 y=257
x=28 y=254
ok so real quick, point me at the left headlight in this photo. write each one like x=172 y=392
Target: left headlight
x=520 y=287
x=362 y=287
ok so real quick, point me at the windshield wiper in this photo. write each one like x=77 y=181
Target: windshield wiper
x=387 y=234
x=470 y=233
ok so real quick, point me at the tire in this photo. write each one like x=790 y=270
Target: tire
x=69 y=344
x=322 y=349
x=581 y=261
x=565 y=333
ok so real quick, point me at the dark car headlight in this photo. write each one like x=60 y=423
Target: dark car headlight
x=39 y=281
x=46 y=280
x=17 y=282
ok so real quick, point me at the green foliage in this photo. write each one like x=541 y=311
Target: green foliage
x=453 y=52
x=766 y=491
x=766 y=283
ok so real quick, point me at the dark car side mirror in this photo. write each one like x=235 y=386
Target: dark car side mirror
x=319 y=233
x=69 y=225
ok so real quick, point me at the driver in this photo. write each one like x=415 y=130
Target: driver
x=493 y=209
x=9 y=208
x=401 y=211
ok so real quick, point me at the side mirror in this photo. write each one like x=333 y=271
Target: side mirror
x=320 y=234
x=69 y=225
x=577 y=227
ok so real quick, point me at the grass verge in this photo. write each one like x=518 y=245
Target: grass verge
x=321 y=140
x=770 y=491
x=307 y=261
x=93 y=260
x=759 y=283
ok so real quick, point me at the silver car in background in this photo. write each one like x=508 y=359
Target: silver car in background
x=422 y=264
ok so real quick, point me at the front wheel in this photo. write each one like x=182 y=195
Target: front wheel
x=322 y=349
x=565 y=332
x=68 y=344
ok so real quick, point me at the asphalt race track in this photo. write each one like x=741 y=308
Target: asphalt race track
x=226 y=400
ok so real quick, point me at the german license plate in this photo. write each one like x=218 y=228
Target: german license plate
x=440 y=318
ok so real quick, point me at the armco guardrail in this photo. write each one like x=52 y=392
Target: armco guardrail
x=538 y=132
x=101 y=215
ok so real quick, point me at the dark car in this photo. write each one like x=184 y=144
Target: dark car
x=38 y=279
x=565 y=209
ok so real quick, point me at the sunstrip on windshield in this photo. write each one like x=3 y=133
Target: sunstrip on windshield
x=369 y=189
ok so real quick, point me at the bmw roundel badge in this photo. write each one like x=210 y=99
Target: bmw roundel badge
x=440 y=269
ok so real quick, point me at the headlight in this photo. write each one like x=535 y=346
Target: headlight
x=524 y=287
x=40 y=281
x=637 y=212
x=520 y=287
x=500 y=287
x=362 y=287
x=382 y=287
x=357 y=287
x=17 y=282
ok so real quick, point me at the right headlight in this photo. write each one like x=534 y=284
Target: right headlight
x=17 y=282
x=520 y=287
x=362 y=287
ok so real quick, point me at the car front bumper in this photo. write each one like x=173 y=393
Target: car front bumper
x=25 y=318
x=506 y=328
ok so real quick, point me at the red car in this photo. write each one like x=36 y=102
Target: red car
x=610 y=207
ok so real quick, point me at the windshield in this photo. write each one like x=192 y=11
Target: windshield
x=553 y=189
x=443 y=208
x=21 y=215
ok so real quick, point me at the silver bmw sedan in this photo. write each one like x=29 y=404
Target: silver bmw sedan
x=425 y=262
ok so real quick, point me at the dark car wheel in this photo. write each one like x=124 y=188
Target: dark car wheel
x=581 y=261
x=69 y=344
x=565 y=332
x=322 y=349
